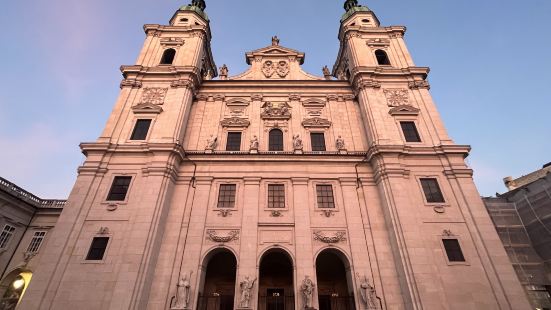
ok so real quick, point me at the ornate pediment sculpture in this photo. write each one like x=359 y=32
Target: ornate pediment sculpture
x=316 y=122
x=279 y=110
x=396 y=97
x=154 y=95
x=235 y=122
x=144 y=108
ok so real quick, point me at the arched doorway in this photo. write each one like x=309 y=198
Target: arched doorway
x=276 y=278
x=334 y=279
x=218 y=281
x=13 y=286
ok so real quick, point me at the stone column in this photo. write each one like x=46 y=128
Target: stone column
x=304 y=256
x=248 y=255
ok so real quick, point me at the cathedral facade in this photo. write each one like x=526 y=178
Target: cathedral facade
x=274 y=188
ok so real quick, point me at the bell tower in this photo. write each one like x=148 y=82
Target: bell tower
x=409 y=151
x=122 y=195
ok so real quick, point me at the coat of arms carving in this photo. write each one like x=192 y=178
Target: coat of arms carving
x=280 y=110
x=281 y=68
x=396 y=97
x=154 y=95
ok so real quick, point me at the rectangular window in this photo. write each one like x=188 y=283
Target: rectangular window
x=453 y=250
x=318 y=141
x=141 y=129
x=325 y=196
x=36 y=241
x=226 y=196
x=410 y=132
x=276 y=196
x=234 y=141
x=119 y=188
x=6 y=235
x=432 y=190
x=97 y=249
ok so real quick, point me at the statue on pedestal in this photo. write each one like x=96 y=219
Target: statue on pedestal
x=246 y=292
x=307 y=290
x=297 y=143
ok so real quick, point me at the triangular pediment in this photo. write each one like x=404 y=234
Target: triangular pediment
x=404 y=110
x=274 y=50
x=147 y=108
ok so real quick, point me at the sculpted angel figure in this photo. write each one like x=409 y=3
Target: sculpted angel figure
x=183 y=292
x=246 y=291
x=254 y=143
x=307 y=289
x=211 y=143
x=368 y=293
x=297 y=142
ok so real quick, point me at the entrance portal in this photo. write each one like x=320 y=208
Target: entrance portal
x=219 y=282
x=275 y=285
x=335 y=290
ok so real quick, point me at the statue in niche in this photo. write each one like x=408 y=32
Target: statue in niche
x=246 y=291
x=339 y=143
x=223 y=72
x=275 y=41
x=307 y=290
x=297 y=142
x=212 y=142
x=368 y=293
x=183 y=292
x=254 y=143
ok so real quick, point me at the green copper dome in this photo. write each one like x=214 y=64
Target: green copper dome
x=353 y=10
x=197 y=6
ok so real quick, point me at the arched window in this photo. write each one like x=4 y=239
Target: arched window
x=276 y=140
x=382 y=58
x=168 y=56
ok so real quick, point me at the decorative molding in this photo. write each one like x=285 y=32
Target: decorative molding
x=396 y=96
x=154 y=95
x=276 y=213
x=202 y=97
x=404 y=110
x=214 y=236
x=314 y=107
x=219 y=97
x=182 y=84
x=328 y=213
x=172 y=42
x=131 y=83
x=316 y=122
x=419 y=85
x=378 y=43
x=276 y=111
x=335 y=238
x=145 y=108
x=294 y=97
x=235 y=122
x=103 y=230
x=371 y=83
x=447 y=233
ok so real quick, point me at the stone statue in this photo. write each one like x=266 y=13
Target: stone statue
x=254 y=143
x=275 y=41
x=340 y=143
x=326 y=73
x=223 y=72
x=246 y=292
x=368 y=293
x=307 y=290
x=183 y=292
x=212 y=142
x=200 y=4
x=297 y=142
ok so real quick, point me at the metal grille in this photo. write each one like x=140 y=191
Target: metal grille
x=6 y=235
x=226 y=196
x=36 y=241
x=325 y=196
x=410 y=132
x=97 y=249
x=453 y=250
x=119 y=188
x=432 y=190
x=141 y=129
x=318 y=141
x=234 y=141
x=276 y=196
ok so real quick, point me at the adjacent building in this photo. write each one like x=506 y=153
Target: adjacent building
x=274 y=188
x=26 y=223
x=522 y=217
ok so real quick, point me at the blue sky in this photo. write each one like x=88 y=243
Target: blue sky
x=490 y=62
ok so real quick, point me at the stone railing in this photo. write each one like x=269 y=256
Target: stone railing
x=24 y=195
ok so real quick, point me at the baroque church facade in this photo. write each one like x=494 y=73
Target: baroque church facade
x=274 y=188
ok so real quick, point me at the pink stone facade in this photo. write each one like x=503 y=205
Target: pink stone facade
x=169 y=226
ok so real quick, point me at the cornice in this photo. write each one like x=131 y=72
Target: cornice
x=393 y=31
x=380 y=150
x=178 y=76
x=157 y=30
